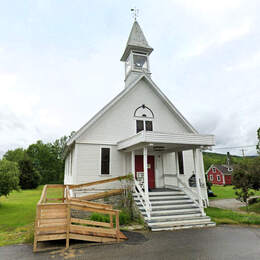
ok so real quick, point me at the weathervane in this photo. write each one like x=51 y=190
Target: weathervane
x=135 y=13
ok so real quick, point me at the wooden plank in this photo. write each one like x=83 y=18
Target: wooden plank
x=86 y=208
x=96 y=182
x=43 y=194
x=82 y=229
x=111 y=221
x=68 y=226
x=103 y=194
x=117 y=226
x=53 y=211
x=53 y=216
x=52 y=228
x=91 y=203
x=51 y=237
x=53 y=205
x=55 y=186
x=54 y=199
x=53 y=221
x=89 y=222
x=92 y=238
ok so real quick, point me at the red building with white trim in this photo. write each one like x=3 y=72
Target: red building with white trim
x=220 y=174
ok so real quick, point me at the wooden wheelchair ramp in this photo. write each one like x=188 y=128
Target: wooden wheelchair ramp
x=69 y=218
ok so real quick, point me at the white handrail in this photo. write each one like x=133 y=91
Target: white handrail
x=144 y=200
x=194 y=194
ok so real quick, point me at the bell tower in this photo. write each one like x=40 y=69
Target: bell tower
x=136 y=55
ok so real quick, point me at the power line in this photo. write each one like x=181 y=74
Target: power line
x=234 y=147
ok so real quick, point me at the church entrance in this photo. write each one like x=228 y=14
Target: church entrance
x=139 y=169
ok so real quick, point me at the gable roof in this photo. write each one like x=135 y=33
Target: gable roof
x=137 y=41
x=223 y=168
x=121 y=95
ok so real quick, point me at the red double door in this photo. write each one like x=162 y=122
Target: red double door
x=139 y=167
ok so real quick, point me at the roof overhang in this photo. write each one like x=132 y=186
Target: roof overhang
x=167 y=142
x=135 y=48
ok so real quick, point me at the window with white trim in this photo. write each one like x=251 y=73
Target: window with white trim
x=211 y=177
x=105 y=161
x=214 y=170
x=218 y=177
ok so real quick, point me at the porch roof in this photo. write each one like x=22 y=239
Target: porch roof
x=166 y=141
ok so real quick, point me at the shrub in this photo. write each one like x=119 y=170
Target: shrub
x=124 y=218
x=9 y=177
x=29 y=177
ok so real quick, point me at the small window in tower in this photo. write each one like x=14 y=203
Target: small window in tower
x=139 y=126
x=180 y=161
x=140 y=62
x=105 y=160
x=148 y=125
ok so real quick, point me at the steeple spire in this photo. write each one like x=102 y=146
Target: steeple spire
x=136 y=41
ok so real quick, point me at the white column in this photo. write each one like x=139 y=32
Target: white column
x=195 y=161
x=133 y=163
x=177 y=167
x=145 y=172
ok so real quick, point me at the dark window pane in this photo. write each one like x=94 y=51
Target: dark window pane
x=105 y=158
x=139 y=126
x=180 y=161
x=148 y=125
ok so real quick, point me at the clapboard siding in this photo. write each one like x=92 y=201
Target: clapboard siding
x=89 y=163
x=118 y=122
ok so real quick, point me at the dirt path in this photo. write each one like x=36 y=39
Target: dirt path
x=232 y=204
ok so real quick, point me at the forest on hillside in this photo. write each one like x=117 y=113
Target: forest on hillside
x=218 y=158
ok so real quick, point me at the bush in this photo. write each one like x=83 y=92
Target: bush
x=124 y=218
x=9 y=177
x=29 y=177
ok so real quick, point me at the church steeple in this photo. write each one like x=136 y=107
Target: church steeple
x=136 y=54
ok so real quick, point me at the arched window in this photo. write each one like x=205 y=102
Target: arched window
x=144 y=111
x=144 y=116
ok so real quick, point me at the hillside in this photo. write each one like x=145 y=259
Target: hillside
x=218 y=158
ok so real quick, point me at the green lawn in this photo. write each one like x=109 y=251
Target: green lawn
x=253 y=208
x=223 y=216
x=17 y=213
x=226 y=192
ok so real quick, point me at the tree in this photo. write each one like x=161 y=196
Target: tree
x=258 y=144
x=29 y=177
x=15 y=155
x=9 y=177
x=242 y=180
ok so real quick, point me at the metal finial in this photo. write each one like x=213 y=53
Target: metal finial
x=135 y=13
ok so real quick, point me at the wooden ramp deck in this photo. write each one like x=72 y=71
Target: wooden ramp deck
x=55 y=219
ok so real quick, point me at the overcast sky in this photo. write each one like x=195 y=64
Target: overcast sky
x=60 y=64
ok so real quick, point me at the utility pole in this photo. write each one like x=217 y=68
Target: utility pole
x=243 y=152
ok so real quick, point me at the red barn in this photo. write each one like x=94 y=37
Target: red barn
x=220 y=174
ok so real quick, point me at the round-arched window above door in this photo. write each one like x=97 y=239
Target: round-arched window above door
x=143 y=111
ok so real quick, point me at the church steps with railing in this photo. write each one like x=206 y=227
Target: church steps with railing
x=173 y=210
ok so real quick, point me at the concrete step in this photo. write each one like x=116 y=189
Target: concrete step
x=174 y=212
x=165 y=193
x=168 y=202
x=168 y=207
x=173 y=216
x=185 y=226
x=161 y=198
x=184 y=221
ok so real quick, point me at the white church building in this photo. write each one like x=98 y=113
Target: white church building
x=141 y=132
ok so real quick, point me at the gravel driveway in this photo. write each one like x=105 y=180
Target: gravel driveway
x=232 y=204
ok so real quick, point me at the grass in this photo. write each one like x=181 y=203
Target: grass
x=223 y=216
x=255 y=208
x=17 y=214
x=226 y=192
